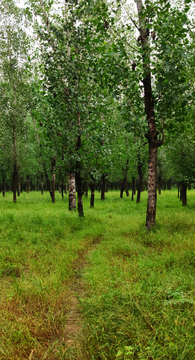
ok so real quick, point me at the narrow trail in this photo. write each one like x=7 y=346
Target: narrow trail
x=73 y=328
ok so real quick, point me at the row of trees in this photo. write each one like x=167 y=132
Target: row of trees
x=94 y=93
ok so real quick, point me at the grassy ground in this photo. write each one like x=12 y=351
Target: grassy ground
x=139 y=293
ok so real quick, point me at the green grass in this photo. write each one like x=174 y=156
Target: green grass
x=139 y=298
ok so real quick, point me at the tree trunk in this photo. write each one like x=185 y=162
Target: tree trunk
x=159 y=179
x=18 y=187
x=15 y=166
x=27 y=184
x=149 y=109
x=37 y=182
x=140 y=176
x=184 y=193
x=133 y=188
x=53 y=165
x=62 y=189
x=78 y=171
x=86 y=189
x=103 y=186
x=72 y=196
x=42 y=184
x=3 y=186
x=92 y=186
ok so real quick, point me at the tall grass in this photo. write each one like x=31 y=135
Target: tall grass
x=140 y=302
x=139 y=286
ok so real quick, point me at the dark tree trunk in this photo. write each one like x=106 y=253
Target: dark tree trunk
x=37 y=182
x=65 y=189
x=103 y=186
x=122 y=189
x=92 y=186
x=184 y=193
x=133 y=188
x=42 y=184
x=126 y=189
x=111 y=186
x=86 y=189
x=18 y=187
x=27 y=184
x=140 y=177
x=62 y=189
x=3 y=186
x=116 y=186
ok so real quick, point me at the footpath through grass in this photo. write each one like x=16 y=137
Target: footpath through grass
x=139 y=298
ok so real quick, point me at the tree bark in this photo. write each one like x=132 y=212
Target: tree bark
x=15 y=172
x=92 y=186
x=37 y=182
x=152 y=133
x=72 y=196
x=133 y=188
x=183 y=193
x=53 y=165
x=3 y=186
x=140 y=177
x=42 y=184
x=78 y=171
x=103 y=187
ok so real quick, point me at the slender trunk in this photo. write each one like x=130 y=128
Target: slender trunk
x=126 y=189
x=103 y=186
x=37 y=182
x=149 y=109
x=133 y=188
x=140 y=176
x=27 y=184
x=184 y=193
x=15 y=166
x=139 y=188
x=44 y=167
x=78 y=171
x=42 y=184
x=18 y=188
x=159 y=179
x=122 y=189
x=3 y=186
x=72 y=196
x=86 y=189
x=65 y=189
x=53 y=165
x=62 y=189
x=92 y=186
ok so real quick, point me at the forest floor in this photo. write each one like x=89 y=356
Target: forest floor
x=98 y=287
